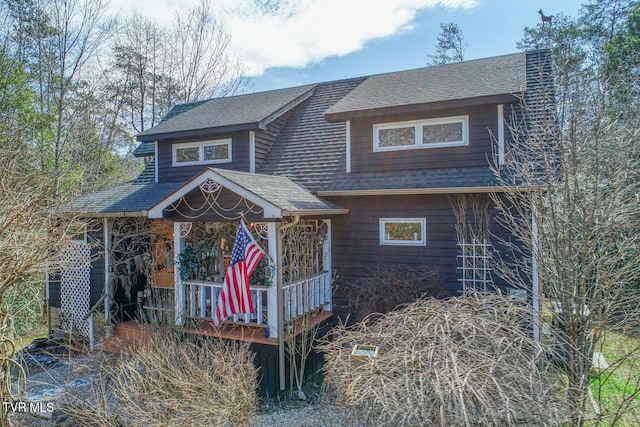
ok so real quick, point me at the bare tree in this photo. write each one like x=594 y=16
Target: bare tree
x=77 y=33
x=139 y=89
x=451 y=45
x=203 y=64
x=576 y=216
x=29 y=241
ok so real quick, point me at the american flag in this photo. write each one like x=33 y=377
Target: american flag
x=235 y=297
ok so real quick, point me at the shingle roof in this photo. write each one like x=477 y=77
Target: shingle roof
x=470 y=79
x=445 y=178
x=280 y=191
x=129 y=198
x=133 y=197
x=250 y=110
x=145 y=149
x=310 y=150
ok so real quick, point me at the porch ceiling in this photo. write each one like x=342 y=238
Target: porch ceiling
x=278 y=196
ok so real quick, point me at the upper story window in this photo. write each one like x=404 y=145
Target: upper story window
x=202 y=152
x=431 y=133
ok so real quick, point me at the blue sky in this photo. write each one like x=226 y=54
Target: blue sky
x=491 y=28
x=295 y=42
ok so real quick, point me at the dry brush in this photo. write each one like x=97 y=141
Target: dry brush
x=462 y=361
x=173 y=381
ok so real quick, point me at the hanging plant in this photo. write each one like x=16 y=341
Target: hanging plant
x=191 y=263
x=261 y=276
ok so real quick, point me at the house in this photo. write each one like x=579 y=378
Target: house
x=335 y=178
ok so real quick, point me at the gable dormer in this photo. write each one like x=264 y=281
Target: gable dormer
x=230 y=133
x=429 y=118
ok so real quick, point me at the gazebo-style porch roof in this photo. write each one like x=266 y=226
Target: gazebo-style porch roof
x=292 y=225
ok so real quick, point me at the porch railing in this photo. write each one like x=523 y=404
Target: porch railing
x=202 y=298
x=300 y=297
x=306 y=295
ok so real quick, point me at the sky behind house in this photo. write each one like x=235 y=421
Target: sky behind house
x=286 y=43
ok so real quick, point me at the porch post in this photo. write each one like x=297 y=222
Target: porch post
x=535 y=284
x=180 y=298
x=272 y=295
x=326 y=266
x=108 y=301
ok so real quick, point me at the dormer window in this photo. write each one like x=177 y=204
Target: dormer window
x=202 y=152
x=431 y=133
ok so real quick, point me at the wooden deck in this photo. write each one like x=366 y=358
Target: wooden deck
x=133 y=331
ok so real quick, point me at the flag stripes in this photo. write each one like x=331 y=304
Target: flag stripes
x=235 y=296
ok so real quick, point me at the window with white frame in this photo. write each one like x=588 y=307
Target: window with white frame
x=430 y=133
x=202 y=152
x=403 y=231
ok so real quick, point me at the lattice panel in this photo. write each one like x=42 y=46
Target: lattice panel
x=475 y=270
x=75 y=287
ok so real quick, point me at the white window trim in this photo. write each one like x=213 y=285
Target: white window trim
x=501 y=134
x=201 y=145
x=421 y=242
x=417 y=124
x=252 y=151
x=348 y=146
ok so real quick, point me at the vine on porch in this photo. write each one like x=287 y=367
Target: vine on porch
x=302 y=250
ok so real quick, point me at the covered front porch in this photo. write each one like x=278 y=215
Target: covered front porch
x=192 y=234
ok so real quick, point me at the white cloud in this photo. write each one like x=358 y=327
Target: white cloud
x=296 y=33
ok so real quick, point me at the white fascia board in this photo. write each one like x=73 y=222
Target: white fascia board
x=270 y=210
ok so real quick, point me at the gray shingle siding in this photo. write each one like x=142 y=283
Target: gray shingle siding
x=267 y=137
x=310 y=150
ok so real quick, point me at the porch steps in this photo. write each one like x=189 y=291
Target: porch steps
x=125 y=336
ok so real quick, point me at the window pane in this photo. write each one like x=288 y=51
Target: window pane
x=216 y=152
x=396 y=137
x=406 y=231
x=443 y=132
x=189 y=154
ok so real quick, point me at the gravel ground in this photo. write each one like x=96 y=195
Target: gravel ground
x=77 y=373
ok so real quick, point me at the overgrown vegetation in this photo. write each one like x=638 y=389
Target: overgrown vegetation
x=462 y=361
x=383 y=289
x=172 y=381
x=26 y=304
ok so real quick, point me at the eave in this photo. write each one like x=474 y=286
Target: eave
x=416 y=108
x=412 y=191
x=199 y=133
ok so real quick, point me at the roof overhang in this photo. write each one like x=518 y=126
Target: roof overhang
x=232 y=182
x=414 y=108
x=412 y=191
x=198 y=133
x=257 y=123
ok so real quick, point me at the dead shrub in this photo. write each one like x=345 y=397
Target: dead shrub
x=383 y=289
x=462 y=361
x=173 y=382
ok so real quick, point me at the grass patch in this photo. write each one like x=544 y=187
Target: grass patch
x=617 y=389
